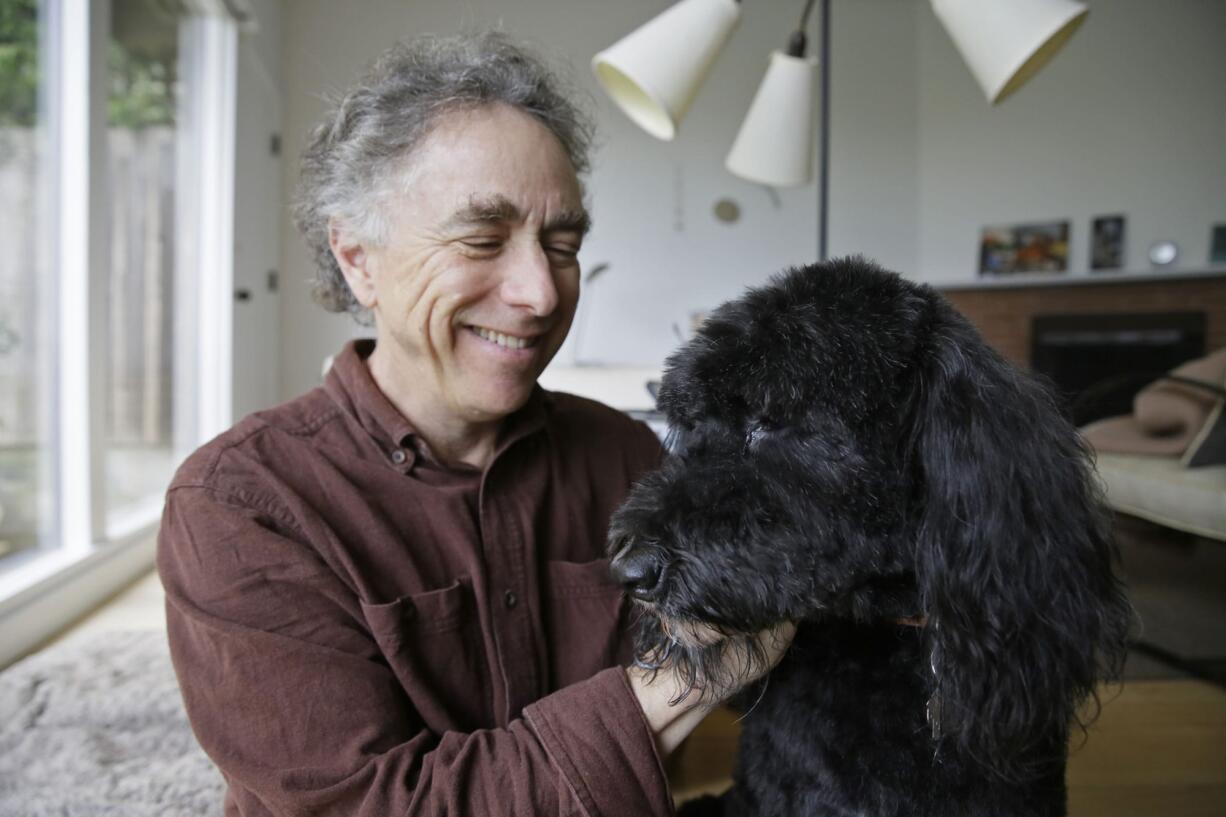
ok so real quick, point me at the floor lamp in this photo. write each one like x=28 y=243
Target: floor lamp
x=654 y=73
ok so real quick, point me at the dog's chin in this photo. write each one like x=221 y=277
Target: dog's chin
x=704 y=660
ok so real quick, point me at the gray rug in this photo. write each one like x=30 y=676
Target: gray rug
x=97 y=727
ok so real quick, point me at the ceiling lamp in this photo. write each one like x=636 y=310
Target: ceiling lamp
x=775 y=143
x=654 y=72
x=1006 y=42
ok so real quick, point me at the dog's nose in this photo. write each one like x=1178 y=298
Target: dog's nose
x=638 y=571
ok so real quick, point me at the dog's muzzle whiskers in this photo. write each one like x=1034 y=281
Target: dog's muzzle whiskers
x=657 y=664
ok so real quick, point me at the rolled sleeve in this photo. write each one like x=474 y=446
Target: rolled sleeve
x=597 y=735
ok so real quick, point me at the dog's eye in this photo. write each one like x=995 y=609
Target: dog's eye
x=675 y=440
x=759 y=429
x=757 y=432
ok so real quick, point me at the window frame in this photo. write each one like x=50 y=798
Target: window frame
x=93 y=556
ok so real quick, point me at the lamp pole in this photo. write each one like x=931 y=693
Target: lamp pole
x=823 y=184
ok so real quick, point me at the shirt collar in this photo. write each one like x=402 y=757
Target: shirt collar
x=351 y=385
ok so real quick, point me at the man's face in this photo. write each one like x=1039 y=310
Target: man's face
x=476 y=286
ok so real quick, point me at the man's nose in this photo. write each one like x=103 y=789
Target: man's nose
x=530 y=281
x=639 y=572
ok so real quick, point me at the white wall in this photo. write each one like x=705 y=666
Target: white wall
x=257 y=212
x=874 y=123
x=1130 y=118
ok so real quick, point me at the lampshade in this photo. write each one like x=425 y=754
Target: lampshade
x=775 y=143
x=654 y=72
x=1006 y=42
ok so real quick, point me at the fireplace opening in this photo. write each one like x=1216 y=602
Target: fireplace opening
x=1099 y=362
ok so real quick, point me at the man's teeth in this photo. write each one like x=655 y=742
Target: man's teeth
x=506 y=341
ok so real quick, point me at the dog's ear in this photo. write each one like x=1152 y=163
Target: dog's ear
x=1015 y=559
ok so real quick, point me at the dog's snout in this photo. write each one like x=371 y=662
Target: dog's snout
x=639 y=572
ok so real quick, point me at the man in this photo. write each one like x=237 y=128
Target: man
x=387 y=597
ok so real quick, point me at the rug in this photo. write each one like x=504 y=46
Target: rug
x=96 y=727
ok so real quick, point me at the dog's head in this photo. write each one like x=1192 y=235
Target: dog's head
x=844 y=443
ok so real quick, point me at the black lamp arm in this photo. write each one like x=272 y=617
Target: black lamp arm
x=798 y=42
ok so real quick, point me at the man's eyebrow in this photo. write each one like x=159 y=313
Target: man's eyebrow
x=479 y=211
x=577 y=221
x=500 y=208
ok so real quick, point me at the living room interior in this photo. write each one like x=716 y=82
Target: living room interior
x=1080 y=225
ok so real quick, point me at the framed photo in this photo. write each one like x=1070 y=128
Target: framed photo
x=1107 y=243
x=1024 y=248
x=1217 y=245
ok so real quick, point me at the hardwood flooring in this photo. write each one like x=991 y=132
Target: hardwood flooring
x=1157 y=750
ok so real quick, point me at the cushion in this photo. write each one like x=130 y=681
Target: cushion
x=1162 y=490
x=1164 y=407
x=1167 y=416
x=1124 y=435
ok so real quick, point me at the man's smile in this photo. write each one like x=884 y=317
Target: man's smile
x=504 y=339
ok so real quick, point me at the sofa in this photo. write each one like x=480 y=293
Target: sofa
x=1166 y=461
x=1163 y=490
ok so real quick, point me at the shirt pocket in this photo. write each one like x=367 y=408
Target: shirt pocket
x=432 y=641
x=586 y=616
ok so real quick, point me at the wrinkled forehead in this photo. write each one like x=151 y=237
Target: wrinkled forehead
x=493 y=154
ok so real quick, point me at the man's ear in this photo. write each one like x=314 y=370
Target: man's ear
x=355 y=262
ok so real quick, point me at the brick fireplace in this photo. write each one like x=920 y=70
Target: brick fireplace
x=1005 y=314
x=1085 y=332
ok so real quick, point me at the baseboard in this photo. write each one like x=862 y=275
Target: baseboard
x=34 y=616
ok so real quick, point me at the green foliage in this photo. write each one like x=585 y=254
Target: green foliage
x=140 y=89
x=18 y=62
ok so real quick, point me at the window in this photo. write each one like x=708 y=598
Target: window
x=116 y=180
x=142 y=95
x=27 y=294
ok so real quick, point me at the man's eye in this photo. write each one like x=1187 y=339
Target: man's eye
x=484 y=244
x=564 y=252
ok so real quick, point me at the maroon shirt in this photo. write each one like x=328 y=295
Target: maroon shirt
x=361 y=630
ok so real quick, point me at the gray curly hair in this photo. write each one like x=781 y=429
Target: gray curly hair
x=349 y=167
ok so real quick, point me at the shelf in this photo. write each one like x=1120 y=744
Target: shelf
x=1062 y=279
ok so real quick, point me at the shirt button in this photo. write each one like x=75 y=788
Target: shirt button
x=510 y=598
x=398 y=457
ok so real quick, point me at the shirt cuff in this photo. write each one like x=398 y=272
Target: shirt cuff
x=597 y=735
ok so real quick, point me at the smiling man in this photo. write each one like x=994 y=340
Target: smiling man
x=475 y=288
x=389 y=596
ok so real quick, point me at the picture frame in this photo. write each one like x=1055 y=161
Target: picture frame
x=1107 y=234
x=1039 y=247
x=1217 y=244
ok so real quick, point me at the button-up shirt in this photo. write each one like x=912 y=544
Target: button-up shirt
x=360 y=629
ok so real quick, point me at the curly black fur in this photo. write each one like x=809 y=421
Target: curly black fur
x=849 y=453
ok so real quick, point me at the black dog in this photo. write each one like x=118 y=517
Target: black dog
x=849 y=454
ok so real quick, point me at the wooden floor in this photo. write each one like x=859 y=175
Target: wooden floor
x=1158 y=750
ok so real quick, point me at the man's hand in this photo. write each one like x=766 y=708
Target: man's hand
x=658 y=691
